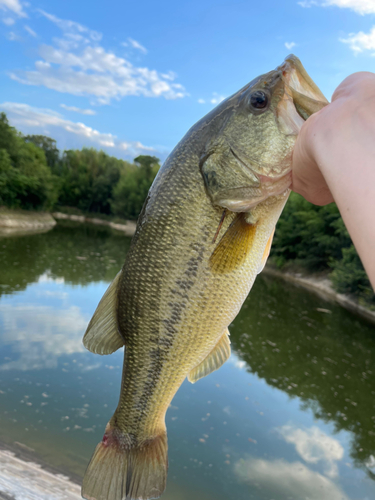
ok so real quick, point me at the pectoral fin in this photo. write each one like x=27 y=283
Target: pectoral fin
x=216 y=358
x=234 y=246
x=102 y=335
x=266 y=252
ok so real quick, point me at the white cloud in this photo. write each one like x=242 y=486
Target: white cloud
x=281 y=479
x=12 y=36
x=201 y=101
x=71 y=26
x=137 y=45
x=126 y=146
x=30 y=31
x=77 y=65
x=78 y=110
x=307 y=3
x=359 y=42
x=8 y=21
x=290 y=45
x=314 y=446
x=171 y=75
x=14 y=6
x=216 y=98
x=101 y=74
x=38 y=120
x=360 y=6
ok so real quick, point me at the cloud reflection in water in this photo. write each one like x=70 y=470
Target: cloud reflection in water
x=285 y=480
x=40 y=334
x=314 y=445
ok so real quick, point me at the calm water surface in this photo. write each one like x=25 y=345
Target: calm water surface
x=290 y=416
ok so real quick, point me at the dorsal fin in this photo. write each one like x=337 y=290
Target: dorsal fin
x=216 y=358
x=266 y=252
x=102 y=335
x=234 y=246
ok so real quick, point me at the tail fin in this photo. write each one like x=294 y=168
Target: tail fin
x=118 y=471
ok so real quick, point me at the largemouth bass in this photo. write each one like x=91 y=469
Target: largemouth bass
x=202 y=237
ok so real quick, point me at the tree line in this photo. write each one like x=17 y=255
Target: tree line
x=35 y=175
x=315 y=239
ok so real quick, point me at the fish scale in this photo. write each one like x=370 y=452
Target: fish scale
x=188 y=271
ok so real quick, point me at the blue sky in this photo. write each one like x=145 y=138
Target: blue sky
x=132 y=77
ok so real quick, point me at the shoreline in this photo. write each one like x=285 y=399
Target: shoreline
x=128 y=228
x=22 y=222
x=321 y=285
x=15 y=221
x=43 y=221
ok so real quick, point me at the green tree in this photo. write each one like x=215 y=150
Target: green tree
x=50 y=150
x=133 y=186
x=8 y=194
x=147 y=164
x=37 y=186
x=9 y=138
x=309 y=235
x=316 y=238
x=349 y=275
x=88 y=179
x=26 y=180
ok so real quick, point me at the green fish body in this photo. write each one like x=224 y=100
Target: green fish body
x=204 y=234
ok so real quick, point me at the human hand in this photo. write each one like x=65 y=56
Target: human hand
x=318 y=161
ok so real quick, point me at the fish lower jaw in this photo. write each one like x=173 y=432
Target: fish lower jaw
x=270 y=187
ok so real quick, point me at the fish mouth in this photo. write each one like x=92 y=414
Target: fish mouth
x=302 y=97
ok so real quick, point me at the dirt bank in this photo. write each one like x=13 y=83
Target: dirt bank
x=12 y=221
x=128 y=228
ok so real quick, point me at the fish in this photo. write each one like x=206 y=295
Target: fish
x=203 y=235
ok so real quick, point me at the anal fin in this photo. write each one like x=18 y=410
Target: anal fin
x=215 y=359
x=266 y=252
x=102 y=335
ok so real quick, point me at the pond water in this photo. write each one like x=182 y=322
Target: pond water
x=290 y=416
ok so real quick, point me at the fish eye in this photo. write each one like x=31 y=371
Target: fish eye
x=258 y=100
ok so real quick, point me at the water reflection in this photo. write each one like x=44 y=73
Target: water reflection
x=314 y=446
x=78 y=253
x=48 y=323
x=290 y=416
x=326 y=360
x=284 y=480
x=39 y=335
